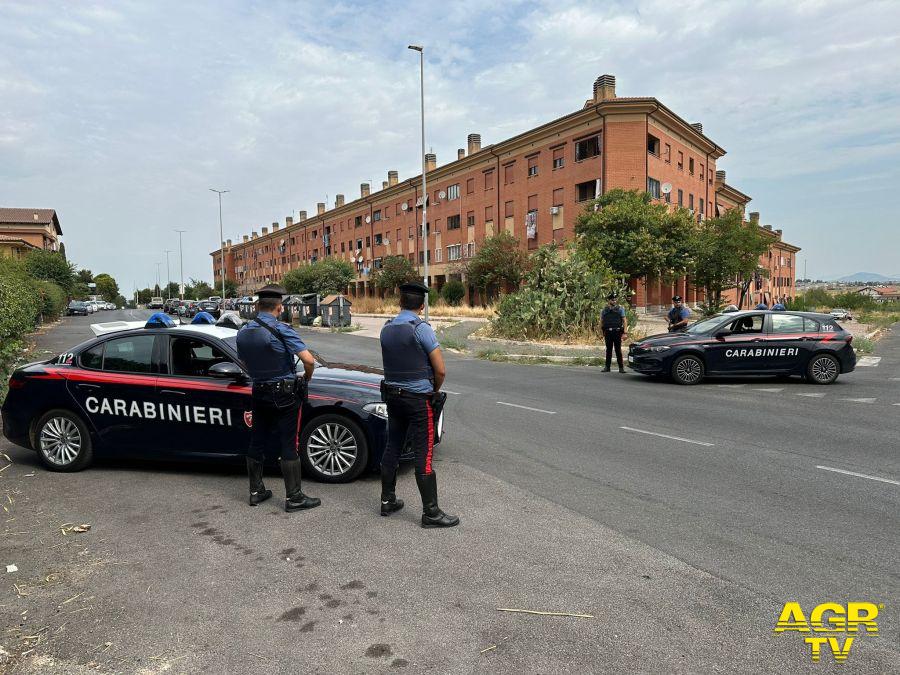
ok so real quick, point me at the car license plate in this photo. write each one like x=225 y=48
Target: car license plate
x=630 y=359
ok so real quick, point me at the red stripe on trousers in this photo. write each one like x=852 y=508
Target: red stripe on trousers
x=299 y=417
x=430 y=438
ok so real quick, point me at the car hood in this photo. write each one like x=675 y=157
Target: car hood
x=666 y=339
x=343 y=372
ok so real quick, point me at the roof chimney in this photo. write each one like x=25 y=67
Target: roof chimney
x=474 y=141
x=254 y=235
x=754 y=216
x=697 y=126
x=393 y=178
x=430 y=161
x=229 y=243
x=778 y=232
x=604 y=88
x=288 y=221
x=246 y=237
x=301 y=216
x=265 y=231
x=275 y=226
x=384 y=185
x=767 y=227
x=338 y=200
x=720 y=176
x=460 y=153
x=364 y=189
x=320 y=208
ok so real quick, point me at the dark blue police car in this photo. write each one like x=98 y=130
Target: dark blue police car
x=181 y=392
x=749 y=343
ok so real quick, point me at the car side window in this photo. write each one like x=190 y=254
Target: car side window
x=787 y=323
x=131 y=354
x=747 y=324
x=92 y=358
x=194 y=358
x=811 y=325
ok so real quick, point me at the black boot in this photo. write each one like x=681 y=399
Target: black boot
x=258 y=492
x=294 y=497
x=389 y=501
x=621 y=368
x=432 y=516
x=606 y=369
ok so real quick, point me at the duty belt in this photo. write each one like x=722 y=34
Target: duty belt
x=393 y=390
x=277 y=387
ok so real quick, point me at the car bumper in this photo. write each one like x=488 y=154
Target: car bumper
x=14 y=430
x=648 y=363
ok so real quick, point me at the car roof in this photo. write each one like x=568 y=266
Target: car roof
x=744 y=312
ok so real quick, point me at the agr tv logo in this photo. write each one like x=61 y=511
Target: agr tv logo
x=833 y=618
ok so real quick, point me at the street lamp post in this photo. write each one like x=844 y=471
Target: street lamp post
x=421 y=50
x=157 y=275
x=181 y=264
x=168 y=274
x=221 y=237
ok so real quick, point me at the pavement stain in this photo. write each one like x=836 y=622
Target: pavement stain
x=331 y=604
x=399 y=663
x=307 y=627
x=352 y=585
x=371 y=594
x=378 y=651
x=293 y=614
x=288 y=551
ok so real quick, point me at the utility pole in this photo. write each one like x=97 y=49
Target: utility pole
x=181 y=264
x=221 y=237
x=421 y=50
x=168 y=274
x=157 y=276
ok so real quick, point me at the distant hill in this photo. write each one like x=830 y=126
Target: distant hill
x=866 y=277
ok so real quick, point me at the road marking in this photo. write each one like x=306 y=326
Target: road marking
x=525 y=407
x=812 y=395
x=674 y=438
x=895 y=379
x=860 y=475
x=858 y=400
x=731 y=386
x=868 y=361
x=454 y=393
x=774 y=390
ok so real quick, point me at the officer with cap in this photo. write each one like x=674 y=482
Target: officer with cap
x=614 y=324
x=413 y=375
x=678 y=316
x=267 y=348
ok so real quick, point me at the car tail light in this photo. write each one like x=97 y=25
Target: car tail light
x=16 y=384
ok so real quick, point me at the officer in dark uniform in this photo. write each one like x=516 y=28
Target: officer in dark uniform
x=267 y=348
x=615 y=326
x=413 y=375
x=678 y=316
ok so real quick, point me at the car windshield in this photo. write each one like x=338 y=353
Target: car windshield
x=705 y=325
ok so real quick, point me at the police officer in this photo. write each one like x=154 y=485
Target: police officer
x=413 y=375
x=678 y=316
x=267 y=348
x=614 y=324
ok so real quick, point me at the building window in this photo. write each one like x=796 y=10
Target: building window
x=653 y=145
x=653 y=187
x=470 y=249
x=587 y=148
x=488 y=213
x=559 y=159
x=453 y=192
x=691 y=165
x=489 y=180
x=453 y=222
x=667 y=154
x=532 y=166
x=531 y=227
x=470 y=186
x=680 y=160
x=587 y=190
x=376 y=216
x=558 y=196
x=378 y=239
x=509 y=209
x=359 y=245
x=701 y=171
x=357 y=222
x=437 y=196
x=410 y=233
x=368 y=242
x=438 y=254
x=691 y=202
x=397 y=209
x=343 y=250
x=681 y=198
x=470 y=219
x=454 y=252
x=668 y=197
x=701 y=206
x=509 y=174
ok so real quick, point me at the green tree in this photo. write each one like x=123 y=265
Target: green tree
x=62 y=250
x=301 y=280
x=197 y=289
x=499 y=261
x=231 y=288
x=144 y=295
x=333 y=275
x=51 y=266
x=725 y=250
x=453 y=292
x=635 y=236
x=396 y=270
x=107 y=288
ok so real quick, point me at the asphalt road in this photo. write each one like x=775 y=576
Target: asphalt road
x=681 y=518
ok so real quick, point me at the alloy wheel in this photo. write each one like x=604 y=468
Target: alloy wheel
x=60 y=441
x=332 y=449
x=689 y=370
x=824 y=369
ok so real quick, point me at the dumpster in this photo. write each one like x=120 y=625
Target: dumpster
x=306 y=308
x=335 y=311
x=247 y=307
x=289 y=308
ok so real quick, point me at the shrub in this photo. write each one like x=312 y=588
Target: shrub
x=453 y=292
x=52 y=300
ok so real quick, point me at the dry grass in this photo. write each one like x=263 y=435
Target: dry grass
x=389 y=306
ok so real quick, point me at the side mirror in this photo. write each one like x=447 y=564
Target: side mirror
x=226 y=370
x=722 y=334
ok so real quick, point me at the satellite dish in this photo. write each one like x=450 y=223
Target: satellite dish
x=404 y=206
x=442 y=194
x=368 y=219
x=666 y=188
x=360 y=259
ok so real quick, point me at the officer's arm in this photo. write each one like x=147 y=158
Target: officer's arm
x=624 y=323
x=437 y=364
x=309 y=363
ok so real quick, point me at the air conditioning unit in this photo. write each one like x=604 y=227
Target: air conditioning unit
x=554 y=210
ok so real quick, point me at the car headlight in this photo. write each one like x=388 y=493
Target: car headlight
x=378 y=409
x=660 y=348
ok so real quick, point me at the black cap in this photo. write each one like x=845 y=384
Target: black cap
x=416 y=287
x=611 y=296
x=676 y=298
x=272 y=291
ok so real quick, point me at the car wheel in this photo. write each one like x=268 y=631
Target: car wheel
x=688 y=369
x=823 y=369
x=62 y=441
x=333 y=449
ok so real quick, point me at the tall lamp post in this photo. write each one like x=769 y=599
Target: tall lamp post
x=181 y=264
x=168 y=274
x=221 y=237
x=421 y=50
x=157 y=276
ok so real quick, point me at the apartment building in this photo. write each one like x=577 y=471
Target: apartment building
x=532 y=185
x=23 y=230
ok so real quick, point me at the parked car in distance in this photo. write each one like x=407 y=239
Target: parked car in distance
x=156 y=302
x=77 y=308
x=841 y=314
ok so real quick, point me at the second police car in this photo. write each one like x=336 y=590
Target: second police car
x=749 y=343
x=181 y=392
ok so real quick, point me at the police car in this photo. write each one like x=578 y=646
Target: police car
x=152 y=391
x=749 y=343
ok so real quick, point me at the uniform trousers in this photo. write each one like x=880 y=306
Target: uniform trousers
x=275 y=430
x=410 y=417
x=613 y=339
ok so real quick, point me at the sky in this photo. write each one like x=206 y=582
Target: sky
x=122 y=115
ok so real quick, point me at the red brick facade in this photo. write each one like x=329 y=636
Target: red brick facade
x=538 y=181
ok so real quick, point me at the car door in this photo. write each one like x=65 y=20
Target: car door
x=115 y=387
x=789 y=342
x=204 y=415
x=732 y=346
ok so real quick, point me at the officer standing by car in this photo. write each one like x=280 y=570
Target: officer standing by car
x=678 y=316
x=413 y=374
x=614 y=324
x=267 y=348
